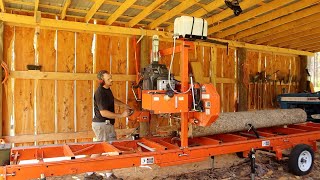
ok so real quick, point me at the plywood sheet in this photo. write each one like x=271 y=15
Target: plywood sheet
x=84 y=88
x=24 y=89
x=118 y=66
x=46 y=88
x=6 y=93
x=65 y=89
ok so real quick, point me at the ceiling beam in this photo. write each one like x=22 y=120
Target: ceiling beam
x=314 y=41
x=124 y=6
x=64 y=9
x=300 y=40
x=2 y=7
x=289 y=20
x=269 y=34
x=144 y=13
x=94 y=8
x=314 y=48
x=293 y=33
x=248 y=15
x=170 y=14
x=271 y=18
x=204 y=10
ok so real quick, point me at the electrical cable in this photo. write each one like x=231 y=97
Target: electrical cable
x=170 y=67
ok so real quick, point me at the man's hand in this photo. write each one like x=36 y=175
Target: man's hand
x=125 y=113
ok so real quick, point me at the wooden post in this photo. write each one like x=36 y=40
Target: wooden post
x=144 y=61
x=242 y=77
x=303 y=73
x=1 y=59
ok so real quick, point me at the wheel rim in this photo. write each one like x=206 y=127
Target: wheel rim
x=305 y=161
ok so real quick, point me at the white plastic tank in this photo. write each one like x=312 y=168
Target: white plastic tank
x=191 y=27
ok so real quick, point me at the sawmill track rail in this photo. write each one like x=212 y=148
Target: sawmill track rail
x=161 y=151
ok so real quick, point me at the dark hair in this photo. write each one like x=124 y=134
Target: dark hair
x=101 y=73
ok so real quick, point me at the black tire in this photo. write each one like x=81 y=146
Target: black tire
x=300 y=165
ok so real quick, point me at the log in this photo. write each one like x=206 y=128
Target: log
x=238 y=121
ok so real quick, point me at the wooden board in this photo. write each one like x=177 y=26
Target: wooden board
x=24 y=89
x=132 y=71
x=6 y=93
x=118 y=57
x=65 y=89
x=84 y=88
x=46 y=88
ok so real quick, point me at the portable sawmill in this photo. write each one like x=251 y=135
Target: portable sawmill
x=203 y=132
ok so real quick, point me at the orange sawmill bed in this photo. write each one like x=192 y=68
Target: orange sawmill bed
x=75 y=158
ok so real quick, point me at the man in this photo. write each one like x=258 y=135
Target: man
x=104 y=114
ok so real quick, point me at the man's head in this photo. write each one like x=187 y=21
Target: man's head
x=104 y=78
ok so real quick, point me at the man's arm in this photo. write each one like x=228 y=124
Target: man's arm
x=121 y=104
x=111 y=115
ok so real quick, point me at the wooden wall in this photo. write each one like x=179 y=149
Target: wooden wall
x=283 y=71
x=50 y=106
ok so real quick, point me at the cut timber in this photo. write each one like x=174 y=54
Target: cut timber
x=238 y=121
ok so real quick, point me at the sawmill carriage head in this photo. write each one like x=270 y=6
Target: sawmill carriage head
x=162 y=93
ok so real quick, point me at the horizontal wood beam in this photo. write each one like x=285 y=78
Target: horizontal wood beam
x=60 y=136
x=170 y=14
x=266 y=48
x=282 y=31
x=256 y=25
x=46 y=23
x=248 y=15
x=65 y=76
x=121 y=9
x=284 y=19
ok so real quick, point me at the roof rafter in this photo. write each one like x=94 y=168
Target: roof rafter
x=2 y=6
x=269 y=34
x=64 y=9
x=248 y=15
x=271 y=16
x=314 y=41
x=293 y=33
x=156 y=4
x=94 y=8
x=174 y=11
x=126 y=5
x=36 y=6
x=300 y=40
x=282 y=20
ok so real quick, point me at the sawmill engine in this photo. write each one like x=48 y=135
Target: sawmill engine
x=155 y=77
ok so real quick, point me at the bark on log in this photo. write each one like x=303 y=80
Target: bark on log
x=238 y=121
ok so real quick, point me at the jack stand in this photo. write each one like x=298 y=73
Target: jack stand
x=42 y=177
x=252 y=157
x=212 y=162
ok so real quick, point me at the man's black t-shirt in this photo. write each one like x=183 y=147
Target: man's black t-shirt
x=103 y=100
